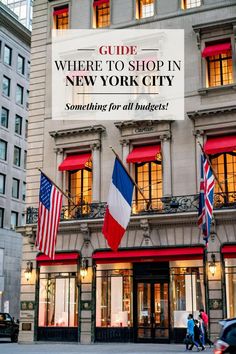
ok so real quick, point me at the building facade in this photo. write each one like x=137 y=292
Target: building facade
x=23 y=9
x=162 y=270
x=14 y=83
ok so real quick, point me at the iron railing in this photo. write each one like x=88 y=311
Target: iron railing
x=165 y=205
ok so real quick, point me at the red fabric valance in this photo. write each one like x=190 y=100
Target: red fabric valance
x=63 y=10
x=220 y=144
x=229 y=251
x=100 y=2
x=60 y=258
x=149 y=255
x=216 y=49
x=74 y=162
x=144 y=153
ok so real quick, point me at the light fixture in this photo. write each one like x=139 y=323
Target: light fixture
x=84 y=268
x=28 y=271
x=212 y=265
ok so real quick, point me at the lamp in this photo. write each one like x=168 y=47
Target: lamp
x=84 y=267
x=212 y=265
x=28 y=271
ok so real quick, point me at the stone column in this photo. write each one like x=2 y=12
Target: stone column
x=59 y=174
x=166 y=165
x=125 y=152
x=199 y=135
x=96 y=158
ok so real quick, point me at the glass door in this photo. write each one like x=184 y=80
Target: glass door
x=152 y=311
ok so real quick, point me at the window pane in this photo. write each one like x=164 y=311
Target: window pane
x=19 y=94
x=26 y=129
x=21 y=64
x=220 y=71
x=14 y=219
x=188 y=4
x=3 y=150
x=1 y=217
x=2 y=183
x=4 y=117
x=103 y=15
x=18 y=125
x=23 y=191
x=7 y=55
x=25 y=159
x=6 y=86
x=146 y=8
x=15 y=188
x=61 y=17
x=17 y=156
x=230 y=278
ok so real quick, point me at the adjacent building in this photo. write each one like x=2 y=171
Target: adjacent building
x=162 y=270
x=23 y=9
x=14 y=84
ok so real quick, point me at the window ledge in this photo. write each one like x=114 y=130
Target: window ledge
x=206 y=90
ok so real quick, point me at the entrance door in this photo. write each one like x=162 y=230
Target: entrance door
x=152 y=316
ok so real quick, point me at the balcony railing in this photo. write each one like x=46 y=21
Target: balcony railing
x=165 y=205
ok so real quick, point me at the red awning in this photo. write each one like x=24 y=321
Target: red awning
x=144 y=153
x=61 y=11
x=74 y=162
x=220 y=144
x=100 y=2
x=216 y=49
x=60 y=258
x=149 y=255
x=229 y=251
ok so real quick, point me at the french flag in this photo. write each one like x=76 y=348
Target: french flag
x=118 y=206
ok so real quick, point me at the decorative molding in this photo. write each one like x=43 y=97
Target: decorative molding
x=138 y=123
x=211 y=111
x=198 y=133
x=165 y=137
x=144 y=225
x=84 y=229
x=229 y=22
x=95 y=146
x=125 y=142
x=76 y=131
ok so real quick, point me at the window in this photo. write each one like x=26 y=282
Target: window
x=20 y=64
x=18 y=125
x=114 y=295
x=3 y=150
x=7 y=55
x=80 y=187
x=230 y=280
x=24 y=191
x=61 y=17
x=26 y=129
x=187 y=290
x=1 y=217
x=2 y=183
x=225 y=167
x=19 y=94
x=56 y=310
x=102 y=14
x=6 y=83
x=28 y=69
x=27 y=99
x=15 y=188
x=14 y=219
x=17 y=156
x=148 y=176
x=25 y=159
x=144 y=8
x=189 y=4
x=4 y=117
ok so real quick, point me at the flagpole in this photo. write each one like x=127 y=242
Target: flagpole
x=70 y=200
x=136 y=185
x=213 y=171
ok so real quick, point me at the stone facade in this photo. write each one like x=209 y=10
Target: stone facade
x=17 y=38
x=209 y=111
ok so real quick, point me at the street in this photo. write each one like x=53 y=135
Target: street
x=116 y=348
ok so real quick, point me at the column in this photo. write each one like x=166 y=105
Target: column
x=199 y=135
x=59 y=160
x=125 y=151
x=96 y=158
x=166 y=165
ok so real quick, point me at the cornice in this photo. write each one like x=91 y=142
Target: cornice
x=211 y=111
x=137 y=123
x=230 y=22
x=75 y=131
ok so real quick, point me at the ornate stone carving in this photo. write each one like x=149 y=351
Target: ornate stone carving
x=165 y=137
x=144 y=224
x=95 y=146
x=84 y=229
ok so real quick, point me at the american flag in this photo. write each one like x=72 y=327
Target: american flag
x=50 y=203
x=206 y=197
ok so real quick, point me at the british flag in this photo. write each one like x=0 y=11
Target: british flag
x=206 y=197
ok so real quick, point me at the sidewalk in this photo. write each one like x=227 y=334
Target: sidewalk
x=116 y=348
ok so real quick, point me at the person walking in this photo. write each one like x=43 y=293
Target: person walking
x=202 y=330
x=205 y=320
x=196 y=339
x=190 y=331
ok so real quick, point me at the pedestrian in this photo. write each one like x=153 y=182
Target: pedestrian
x=196 y=338
x=205 y=320
x=202 y=329
x=190 y=331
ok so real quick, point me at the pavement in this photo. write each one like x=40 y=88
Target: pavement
x=116 y=348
